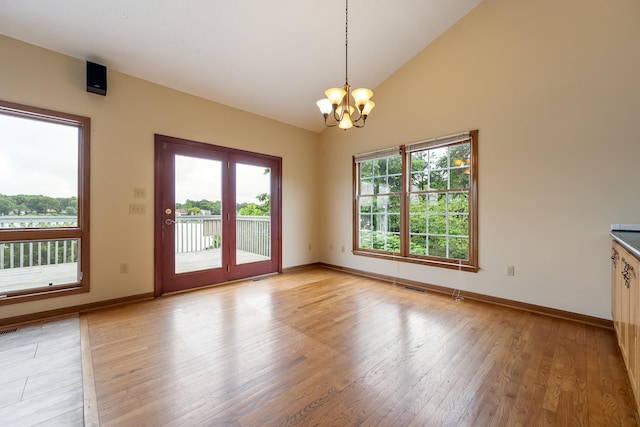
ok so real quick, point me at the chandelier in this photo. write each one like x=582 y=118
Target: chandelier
x=346 y=107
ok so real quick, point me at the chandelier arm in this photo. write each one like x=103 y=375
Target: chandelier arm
x=361 y=118
x=337 y=117
x=328 y=125
x=326 y=116
x=353 y=119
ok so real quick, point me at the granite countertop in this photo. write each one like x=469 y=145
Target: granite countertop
x=628 y=235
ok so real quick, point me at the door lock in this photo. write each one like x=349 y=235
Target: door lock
x=168 y=211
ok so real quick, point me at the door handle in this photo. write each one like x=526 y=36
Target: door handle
x=169 y=221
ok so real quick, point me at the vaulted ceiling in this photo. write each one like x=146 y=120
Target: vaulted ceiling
x=273 y=58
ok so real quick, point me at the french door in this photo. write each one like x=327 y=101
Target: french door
x=217 y=214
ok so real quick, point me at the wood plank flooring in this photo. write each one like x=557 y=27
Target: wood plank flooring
x=320 y=347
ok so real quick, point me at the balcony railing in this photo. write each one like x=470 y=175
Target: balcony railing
x=194 y=233
x=37 y=253
x=35 y=221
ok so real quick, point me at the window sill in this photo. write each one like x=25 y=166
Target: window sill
x=34 y=294
x=424 y=261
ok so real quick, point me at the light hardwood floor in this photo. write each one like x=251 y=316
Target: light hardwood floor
x=320 y=347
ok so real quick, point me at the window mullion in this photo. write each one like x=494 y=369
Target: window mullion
x=404 y=203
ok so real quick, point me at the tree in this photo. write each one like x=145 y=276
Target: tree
x=44 y=204
x=194 y=210
x=7 y=205
x=68 y=205
x=256 y=209
x=194 y=207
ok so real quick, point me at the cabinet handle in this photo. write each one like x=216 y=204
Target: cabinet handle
x=625 y=273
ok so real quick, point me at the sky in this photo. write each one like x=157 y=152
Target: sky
x=38 y=158
x=198 y=179
x=41 y=158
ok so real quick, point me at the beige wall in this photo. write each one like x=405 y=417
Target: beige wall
x=554 y=89
x=123 y=124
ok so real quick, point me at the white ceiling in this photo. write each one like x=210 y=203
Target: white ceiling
x=273 y=58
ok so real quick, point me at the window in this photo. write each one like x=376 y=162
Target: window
x=44 y=203
x=418 y=202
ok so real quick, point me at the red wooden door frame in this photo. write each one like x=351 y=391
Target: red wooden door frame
x=165 y=278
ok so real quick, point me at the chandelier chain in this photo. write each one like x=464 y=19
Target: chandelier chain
x=346 y=42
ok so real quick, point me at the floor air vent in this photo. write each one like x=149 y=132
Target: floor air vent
x=257 y=279
x=8 y=331
x=415 y=289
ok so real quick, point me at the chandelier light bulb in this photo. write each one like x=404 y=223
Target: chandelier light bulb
x=368 y=107
x=325 y=106
x=346 y=122
x=361 y=95
x=335 y=95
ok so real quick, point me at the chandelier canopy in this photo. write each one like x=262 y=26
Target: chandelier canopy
x=347 y=108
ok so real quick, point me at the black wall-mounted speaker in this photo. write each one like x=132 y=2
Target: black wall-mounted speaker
x=96 y=78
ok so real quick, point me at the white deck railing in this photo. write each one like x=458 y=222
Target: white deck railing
x=194 y=233
x=37 y=221
x=36 y=253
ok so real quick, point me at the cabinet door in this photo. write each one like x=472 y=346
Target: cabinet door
x=621 y=300
x=615 y=289
x=625 y=306
x=629 y=275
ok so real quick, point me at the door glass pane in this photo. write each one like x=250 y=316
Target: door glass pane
x=198 y=226
x=253 y=213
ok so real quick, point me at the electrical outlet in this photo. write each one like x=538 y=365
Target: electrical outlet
x=342 y=248
x=124 y=268
x=137 y=209
x=309 y=246
x=509 y=270
x=331 y=247
x=139 y=193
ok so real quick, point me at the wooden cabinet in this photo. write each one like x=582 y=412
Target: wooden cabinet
x=625 y=305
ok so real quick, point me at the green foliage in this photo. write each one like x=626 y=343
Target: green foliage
x=216 y=242
x=7 y=205
x=381 y=176
x=196 y=207
x=194 y=210
x=438 y=210
x=250 y=209
x=380 y=241
x=256 y=209
x=30 y=204
x=441 y=168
